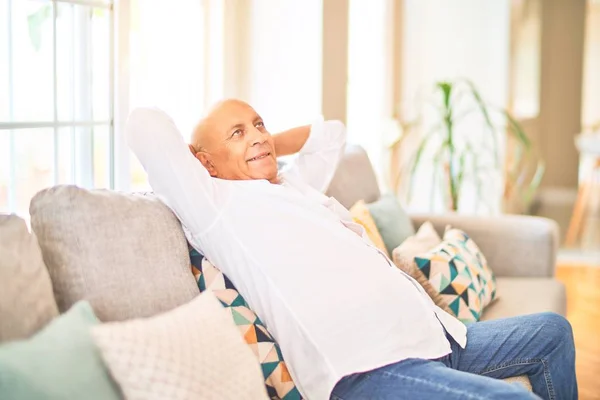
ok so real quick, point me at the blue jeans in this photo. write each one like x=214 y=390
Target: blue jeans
x=539 y=346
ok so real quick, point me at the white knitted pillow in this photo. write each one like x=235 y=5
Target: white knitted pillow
x=192 y=352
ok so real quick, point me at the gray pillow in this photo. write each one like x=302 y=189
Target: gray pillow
x=392 y=221
x=26 y=299
x=126 y=254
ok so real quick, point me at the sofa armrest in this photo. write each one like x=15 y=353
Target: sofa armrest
x=514 y=245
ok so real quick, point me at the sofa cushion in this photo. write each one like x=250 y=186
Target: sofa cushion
x=404 y=255
x=277 y=378
x=59 y=362
x=125 y=253
x=26 y=299
x=354 y=178
x=191 y=352
x=483 y=277
x=522 y=296
x=361 y=215
x=393 y=222
x=458 y=270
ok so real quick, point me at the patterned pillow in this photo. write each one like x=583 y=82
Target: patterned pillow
x=425 y=239
x=459 y=272
x=277 y=378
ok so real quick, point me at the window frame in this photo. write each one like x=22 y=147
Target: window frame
x=85 y=143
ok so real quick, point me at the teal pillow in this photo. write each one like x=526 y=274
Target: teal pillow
x=59 y=362
x=392 y=221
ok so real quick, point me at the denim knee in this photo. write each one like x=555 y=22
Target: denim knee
x=556 y=328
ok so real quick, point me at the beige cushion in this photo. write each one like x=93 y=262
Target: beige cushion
x=26 y=299
x=404 y=255
x=522 y=296
x=125 y=254
x=192 y=352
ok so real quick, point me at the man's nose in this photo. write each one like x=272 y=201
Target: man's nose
x=257 y=137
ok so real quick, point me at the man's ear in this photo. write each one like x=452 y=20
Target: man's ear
x=206 y=160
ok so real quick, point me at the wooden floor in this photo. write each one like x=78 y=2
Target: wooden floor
x=583 y=311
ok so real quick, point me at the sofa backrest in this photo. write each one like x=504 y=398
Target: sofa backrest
x=127 y=254
x=354 y=179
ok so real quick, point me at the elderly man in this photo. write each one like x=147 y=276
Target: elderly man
x=350 y=324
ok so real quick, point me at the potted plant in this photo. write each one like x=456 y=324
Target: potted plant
x=460 y=150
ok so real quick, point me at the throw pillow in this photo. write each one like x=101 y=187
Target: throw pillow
x=360 y=215
x=404 y=257
x=59 y=362
x=191 y=352
x=486 y=280
x=277 y=379
x=99 y=244
x=459 y=272
x=26 y=299
x=392 y=221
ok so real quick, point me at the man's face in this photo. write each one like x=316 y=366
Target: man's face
x=236 y=145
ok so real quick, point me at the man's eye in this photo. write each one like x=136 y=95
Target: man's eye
x=237 y=133
x=260 y=124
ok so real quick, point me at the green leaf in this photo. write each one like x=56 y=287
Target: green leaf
x=535 y=182
x=517 y=130
x=415 y=164
x=446 y=88
x=486 y=117
x=476 y=171
x=35 y=22
x=437 y=161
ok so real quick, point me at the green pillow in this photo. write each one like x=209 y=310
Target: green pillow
x=392 y=221
x=59 y=362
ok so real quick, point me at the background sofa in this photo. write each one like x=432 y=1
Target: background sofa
x=521 y=250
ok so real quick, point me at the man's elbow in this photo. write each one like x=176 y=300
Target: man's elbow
x=338 y=132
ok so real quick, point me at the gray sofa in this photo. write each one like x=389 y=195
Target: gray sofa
x=521 y=250
x=127 y=255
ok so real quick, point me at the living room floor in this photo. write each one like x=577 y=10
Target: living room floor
x=583 y=311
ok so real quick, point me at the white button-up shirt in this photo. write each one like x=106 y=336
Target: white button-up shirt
x=335 y=303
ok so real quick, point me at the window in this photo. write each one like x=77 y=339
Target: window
x=56 y=108
x=526 y=25
x=60 y=60
x=591 y=75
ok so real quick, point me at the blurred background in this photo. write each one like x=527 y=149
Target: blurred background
x=472 y=106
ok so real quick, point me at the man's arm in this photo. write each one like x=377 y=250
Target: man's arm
x=291 y=141
x=320 y=147
x=175 y=175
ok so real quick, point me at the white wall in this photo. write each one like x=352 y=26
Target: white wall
x=284 y=61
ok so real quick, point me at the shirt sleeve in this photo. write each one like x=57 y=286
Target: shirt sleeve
x=175 y=175
x=318 y=159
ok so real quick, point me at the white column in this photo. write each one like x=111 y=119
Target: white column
x=121 y=100
x=84 y=174
x=336 y=17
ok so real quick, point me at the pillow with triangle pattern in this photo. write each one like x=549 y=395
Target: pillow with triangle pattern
x=458 y=270
x=277 y=377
